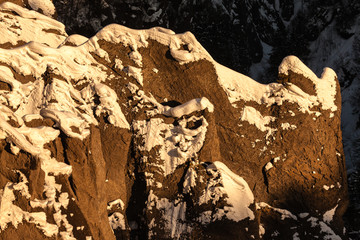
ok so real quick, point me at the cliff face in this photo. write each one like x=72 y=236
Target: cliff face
x=140 y=133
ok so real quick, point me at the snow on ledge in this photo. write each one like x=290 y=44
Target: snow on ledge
x=325 y=86
x=25 y=13
x=284 y=213
x=138 y=38
x=46 y=6
x=239 y=195
x=193 y=105
x=75 y=39
x=239 y=87
x=254 y=117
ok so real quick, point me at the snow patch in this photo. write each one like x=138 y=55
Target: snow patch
x=177 y=143
x=254 y=117
x=116 y=221
x=325 y=86
x=173 y=214
x=284 y=213
x=287 y=126
x=12 y=214
x=116 y=202
x=239 y=197
x=29 y=26
x=190 y=180
x=329 y=215
x=46 y=6
x=239 y=87
x=135 y=73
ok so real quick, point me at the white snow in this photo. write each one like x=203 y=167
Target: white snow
x=177 y=143
x=46 y=6
x=284 y=213
x=29 y=26
x=239 y=196
x=116 y=221
x=135 y=73
x=325 y=86
x=254 y=117
x=329 y=215
x=326 y=187
x=173 y=215
x=136 y=57
x=10 y=213
x=324 y=228
x=66 y=120
x=75 y=39
x=268 y=166
x=330 y=234
x=193 y=105
x=108 y=104
x=276 y=159
x=303 y=215
x=287 y=126
x=190 y=180
x=239 y=87
x=116 y=202
x=261 y=230
x=296 y=236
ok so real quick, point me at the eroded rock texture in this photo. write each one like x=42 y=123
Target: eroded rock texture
x=140 y=134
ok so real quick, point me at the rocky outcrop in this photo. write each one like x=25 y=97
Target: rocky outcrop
x=140 y=134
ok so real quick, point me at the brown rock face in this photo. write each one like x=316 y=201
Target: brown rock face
x=141 y=135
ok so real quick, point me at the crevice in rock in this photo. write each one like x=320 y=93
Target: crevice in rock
x=266 y=181
x=137 y=202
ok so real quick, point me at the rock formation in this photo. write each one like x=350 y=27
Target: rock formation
x=140 y=134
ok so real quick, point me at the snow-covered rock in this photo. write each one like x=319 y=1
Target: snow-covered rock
x=96 y=144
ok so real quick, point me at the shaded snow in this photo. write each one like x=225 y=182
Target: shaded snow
x=329 y=215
